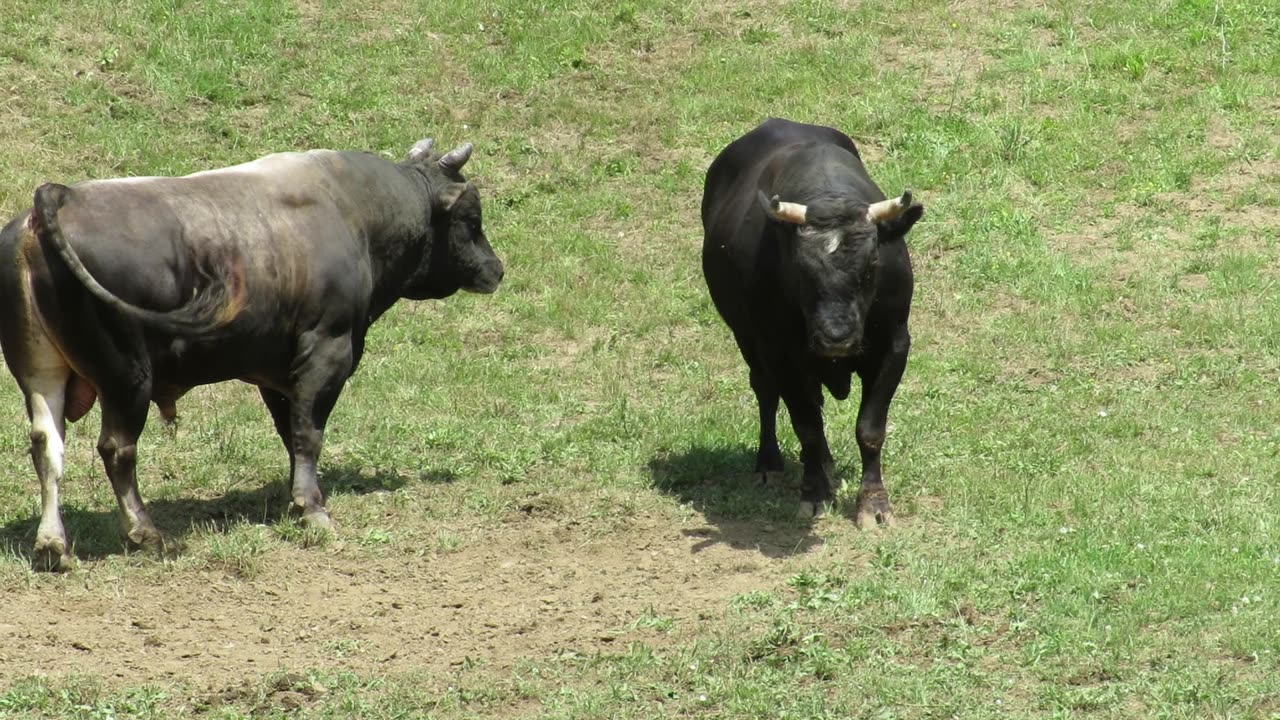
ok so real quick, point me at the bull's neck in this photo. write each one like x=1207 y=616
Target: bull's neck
x=398 y=229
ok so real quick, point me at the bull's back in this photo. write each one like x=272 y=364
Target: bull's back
x=149 y=240
x=735 y=173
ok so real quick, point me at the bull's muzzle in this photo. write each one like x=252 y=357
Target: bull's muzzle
x=488 y=281
x=845 y=345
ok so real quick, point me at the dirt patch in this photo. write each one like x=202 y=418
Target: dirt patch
x=1238 y=198
x=1194 y=282
x=1219 y=135
x=1233 y=195
x=945 y=76
x=534 y=588
x=969 y=9
x=561 y=351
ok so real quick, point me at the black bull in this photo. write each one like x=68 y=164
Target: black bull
x=807 y=263
x=135 y=290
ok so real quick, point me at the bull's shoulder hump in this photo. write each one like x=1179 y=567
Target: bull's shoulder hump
x=779 y=131
x=270 y=165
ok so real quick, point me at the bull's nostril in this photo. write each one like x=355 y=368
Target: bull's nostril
x=833 y=346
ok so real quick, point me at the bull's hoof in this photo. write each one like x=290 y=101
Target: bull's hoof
x=145 y=538
x=318 y=519
x=771 y=478
x=50 y=555
x=810 y=510
x=873 y=509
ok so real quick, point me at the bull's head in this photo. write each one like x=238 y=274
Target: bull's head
x=460 y=257
x=832 y=268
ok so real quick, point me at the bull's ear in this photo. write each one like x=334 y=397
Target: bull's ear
x=900 y=225
x=786 y=212
x=449 y=195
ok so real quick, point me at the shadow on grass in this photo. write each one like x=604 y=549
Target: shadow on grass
x=97 y=534
x=743 y=512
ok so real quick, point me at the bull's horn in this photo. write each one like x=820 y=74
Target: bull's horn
x=888 y=209
x=457 y=157
x=421 y=149
x=791 y=212
x=787 y=211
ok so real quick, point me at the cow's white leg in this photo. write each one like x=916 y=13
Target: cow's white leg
x=46 y=396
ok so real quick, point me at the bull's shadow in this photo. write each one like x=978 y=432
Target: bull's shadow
x=741 y=511
x=96 y=534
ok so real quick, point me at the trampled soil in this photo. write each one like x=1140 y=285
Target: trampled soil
x=531 y=588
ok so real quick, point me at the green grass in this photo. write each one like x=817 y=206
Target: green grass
x=1084 y=446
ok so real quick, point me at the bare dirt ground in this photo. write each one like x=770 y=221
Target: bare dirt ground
x=532 y=588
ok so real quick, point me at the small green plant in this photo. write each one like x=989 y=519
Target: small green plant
x=344 y=647
x=303 y=536
x=447 y=542
x=107 y=57
x=240 y=550
x=376 y=536
x=651 y=620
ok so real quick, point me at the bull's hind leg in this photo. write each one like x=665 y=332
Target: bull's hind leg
x=817 y=488
x=124 y=414
x=46 y=395
x=768 y=454
x=278 y=406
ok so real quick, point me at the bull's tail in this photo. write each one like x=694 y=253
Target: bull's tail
x=211 y=308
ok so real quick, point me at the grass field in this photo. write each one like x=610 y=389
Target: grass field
x=544 y=497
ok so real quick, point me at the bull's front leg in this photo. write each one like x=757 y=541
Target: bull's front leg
x=879 y=383
x=818 y=486
x=319 y=381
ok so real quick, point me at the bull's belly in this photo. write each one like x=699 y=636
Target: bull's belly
x=183 y=365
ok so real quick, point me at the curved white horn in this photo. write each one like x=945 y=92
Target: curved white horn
x=457 y=157
x=421 y=149
x=888 y=209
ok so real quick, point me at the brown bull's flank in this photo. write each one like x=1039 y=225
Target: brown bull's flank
x=236 y=294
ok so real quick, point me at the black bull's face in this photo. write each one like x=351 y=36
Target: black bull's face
x=476 y=266
x=834 y=274
x=831 y=272
x=832 y=265
x=459 y=257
